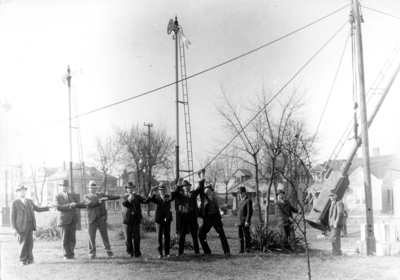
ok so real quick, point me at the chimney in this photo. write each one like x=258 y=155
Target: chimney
x=375 y=152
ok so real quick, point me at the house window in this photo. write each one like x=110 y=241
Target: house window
x=359 y=197
x=237 y=179
x=50 y=189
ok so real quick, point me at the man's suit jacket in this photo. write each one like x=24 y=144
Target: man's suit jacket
x=131 y=211
x=283 y=212
x=93 y=203
x=245 y=211
x=163 y=209
x=189 y=200
x=19 y=216
x=67 y=212
x=336 y=214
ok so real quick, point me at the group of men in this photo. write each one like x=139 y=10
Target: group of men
x=23 y=218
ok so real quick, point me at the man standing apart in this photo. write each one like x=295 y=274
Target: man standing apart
x=336 y=216
x=97 y=218
x=163 y=219
x=67 y=218
x=283 y=212
x=23 y=224
x=188 y=209
x=132 y=217
x=245 y=211
x=212 y=218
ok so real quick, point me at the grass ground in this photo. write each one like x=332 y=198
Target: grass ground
x=50 y=265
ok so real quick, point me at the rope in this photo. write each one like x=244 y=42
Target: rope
x=381 y=12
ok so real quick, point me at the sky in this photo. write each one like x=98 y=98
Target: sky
x=124 y=50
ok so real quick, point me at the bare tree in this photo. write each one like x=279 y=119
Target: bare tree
x=105 y=155
x=156 y=158
x=38 y=174
x=230 y=163
x=249 y=135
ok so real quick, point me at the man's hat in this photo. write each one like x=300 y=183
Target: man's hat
x=92 y=184
x=242 y=189
x=162 y=187
x=186 y=183
x=21 y=187
x=280 y=192
x=209 y=186
x=129 y=185
x=63 y=183
x=332 y=193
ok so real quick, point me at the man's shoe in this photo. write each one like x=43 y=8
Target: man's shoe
x=167 y=256
x=160 y=256
x=31 y=262
x=72 y=257
x=110 y=254
x=91 y=256
x=241 y=252
x=227 y=254
x=178 y=255
x=22 y=263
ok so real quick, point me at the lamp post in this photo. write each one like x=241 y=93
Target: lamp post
x=5 y=220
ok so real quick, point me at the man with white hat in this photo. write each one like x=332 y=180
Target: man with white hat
x=23 y=223
x=97 y=218
x=336 y=217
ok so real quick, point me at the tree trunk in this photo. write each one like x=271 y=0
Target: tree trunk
x=257 y=191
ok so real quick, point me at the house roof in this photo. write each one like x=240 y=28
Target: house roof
x=90 y=172
x=379 y=165
x=246 y=172
x=250 y=186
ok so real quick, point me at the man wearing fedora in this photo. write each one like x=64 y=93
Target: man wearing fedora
x=245 y=211
x=188 y=209
x=163 y=218
x=283 y=213
x=97 y=218
x=67 y=218
x=336 y=217
x=23 y=223
x=211 y=218
x=132 y=217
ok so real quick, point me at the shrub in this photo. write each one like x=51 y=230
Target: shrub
x=147 y=224
x=174 y=243
x=265 y=239
x=48 y=232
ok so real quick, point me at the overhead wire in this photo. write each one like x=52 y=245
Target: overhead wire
x=189 y=77
x=380 y=12
x=330 y=91
x=265 y=106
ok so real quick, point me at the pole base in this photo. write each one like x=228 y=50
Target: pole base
x=5 y=217
x=371 y=245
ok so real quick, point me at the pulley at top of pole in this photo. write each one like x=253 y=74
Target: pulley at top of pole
x=173 y=26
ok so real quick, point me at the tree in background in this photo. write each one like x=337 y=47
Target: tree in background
x=38 y=174
x=105 y=155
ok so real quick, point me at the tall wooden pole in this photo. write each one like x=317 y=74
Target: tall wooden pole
x=370 y=237
x=176 y=29
x=70 y=131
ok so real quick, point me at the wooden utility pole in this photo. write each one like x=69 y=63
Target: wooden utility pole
x=149 y=125
x=370 y=236
x=70 y=130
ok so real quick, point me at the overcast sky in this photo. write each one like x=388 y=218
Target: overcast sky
x=124 y=50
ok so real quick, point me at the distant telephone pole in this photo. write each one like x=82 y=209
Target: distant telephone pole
x=149 y=125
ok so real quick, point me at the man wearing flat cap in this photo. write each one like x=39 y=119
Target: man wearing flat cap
x=188 y=208
x=131 y=219
x=163 y=218
x=336 y=217
x=211 y=218
x=283 y=213
x=23 y=224
x=67 y=218
x=245 y=211
x=97 y=218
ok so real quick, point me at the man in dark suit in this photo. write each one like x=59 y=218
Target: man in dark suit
x=211 y=218
x=163 y=218
x=23 y=224
x=245 y=211
x=188 y=209
x=97 y=218
x=67 y=218
x=132 y=216
x=283 y=212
